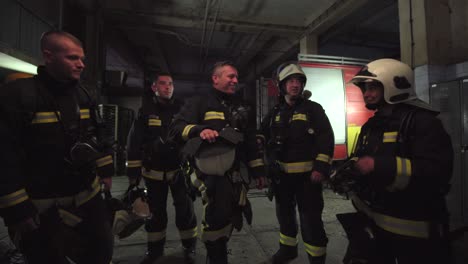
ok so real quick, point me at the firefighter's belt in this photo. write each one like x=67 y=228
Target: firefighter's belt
x=296 y=167
x=404 y=227
x=159 y=175
x=68 y=201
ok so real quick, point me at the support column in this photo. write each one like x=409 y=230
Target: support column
x=433 y=37
x=309 y=44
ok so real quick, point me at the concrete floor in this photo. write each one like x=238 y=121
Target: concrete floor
x=254 y=244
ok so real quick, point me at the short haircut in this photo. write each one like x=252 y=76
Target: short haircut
x=220 y=64
x=49 y=40
x=159 y=74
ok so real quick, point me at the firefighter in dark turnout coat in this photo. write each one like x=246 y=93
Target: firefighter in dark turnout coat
x=152 y=156
x=205 y=117
x=300 y=142
x=51 y=155
x=406 y=157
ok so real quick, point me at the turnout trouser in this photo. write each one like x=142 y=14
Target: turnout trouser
x=297 y=189
x=186 y=220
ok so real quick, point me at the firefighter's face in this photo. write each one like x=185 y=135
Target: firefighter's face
x=225 y=79
x=293 y=87
x=373 y=94
x=164 y=87
x=66 y=63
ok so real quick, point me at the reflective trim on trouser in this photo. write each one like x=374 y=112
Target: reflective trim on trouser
x=80 y=198
x=13 y=199
x=287 y=240
x=156 y=236
x=159 y=175
x=189 y=233
x=392 y=224
x=296 y=167
x=315 y=251
x=214 y=235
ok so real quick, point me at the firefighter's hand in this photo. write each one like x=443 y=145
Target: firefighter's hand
x=106 y=183
x=365 y=165
x=260 y=182
x=316 y=176
x=209 y=135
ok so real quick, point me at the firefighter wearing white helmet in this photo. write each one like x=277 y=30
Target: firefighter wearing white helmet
x=300 y=146
x=405 y=157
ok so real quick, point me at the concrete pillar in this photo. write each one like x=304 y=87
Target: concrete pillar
x=433 y=37
x=309 y=44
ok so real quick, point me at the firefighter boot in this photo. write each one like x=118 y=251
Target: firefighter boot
x=216 y=251
x=189 y=249
x=284 y=254
x=317 y=260
x=155 y=251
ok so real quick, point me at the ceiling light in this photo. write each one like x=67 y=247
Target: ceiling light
x=12 y=63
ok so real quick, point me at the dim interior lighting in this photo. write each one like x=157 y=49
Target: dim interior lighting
x=12 y=63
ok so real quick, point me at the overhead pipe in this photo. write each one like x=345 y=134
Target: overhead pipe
x=211 y=33
x=205 y=21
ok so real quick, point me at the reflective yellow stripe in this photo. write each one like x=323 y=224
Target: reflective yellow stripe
x=158 y=175
x=392 y=224
x=86 y=195
x=200 y=185
x=296 y=167
x=256 y=163
x=216 y=234
x=287 y=240
x=302 y=117
x=185 y=133
x=389 y=137
x=214 y=115
x=154 y=122
x=156 y=236
x=69 y=218
x=325 y=158
x=189 y=233
x=45 y=117
x=84 y=114
x=402 y=176
x=315 y=251
x=260 y=136
x=134 y=163
x=277 y=118
x=13 y=199
x=106 y=160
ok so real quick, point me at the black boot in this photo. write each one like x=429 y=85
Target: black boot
x=216 y=251
x=189 y=249
x=284 y=254
x=155 y=251
x=317 y=260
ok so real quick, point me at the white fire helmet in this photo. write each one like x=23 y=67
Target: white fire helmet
x=286 y=70
x=396 y=77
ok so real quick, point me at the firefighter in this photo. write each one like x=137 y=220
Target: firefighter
x=49 y=192
x=300 y=143
x=152 y=156
x=405 y=156
x=206 y=118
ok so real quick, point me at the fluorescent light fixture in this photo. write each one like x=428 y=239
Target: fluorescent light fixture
x=12 y=63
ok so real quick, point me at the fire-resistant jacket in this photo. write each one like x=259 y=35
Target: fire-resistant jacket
x=215 y=111
x=40 y=121
x=412 y=167
x=301 y=135
x=148 y=144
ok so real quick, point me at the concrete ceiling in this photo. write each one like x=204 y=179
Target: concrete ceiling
x=186 y=36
